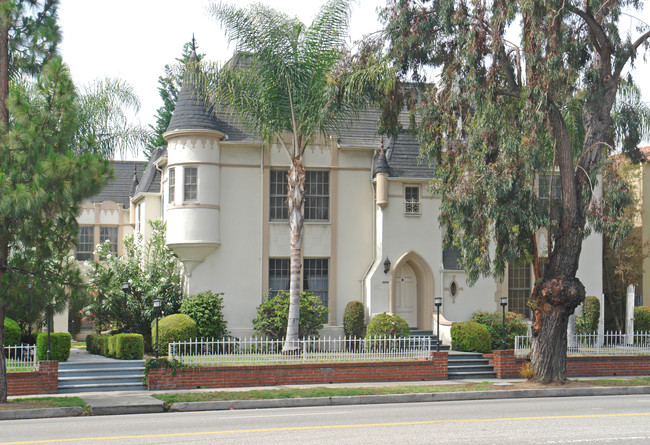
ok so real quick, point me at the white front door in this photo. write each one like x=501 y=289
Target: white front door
x=406 y=298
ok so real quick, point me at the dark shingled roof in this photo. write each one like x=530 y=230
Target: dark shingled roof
x=403 y=158
x=150 y=180
x=119 y=187
x=190 y=112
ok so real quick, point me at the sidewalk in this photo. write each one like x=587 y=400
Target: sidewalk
x=137 y=402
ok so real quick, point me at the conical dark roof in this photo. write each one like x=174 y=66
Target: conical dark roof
x=190 y=112
x=381 y=166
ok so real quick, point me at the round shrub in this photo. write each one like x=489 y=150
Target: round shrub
x=12 y=333
x=642 y=318
x=176 y=327
x=272 y=316
x=129 y=346
x=470 y=336
x=387 y=325
x=60 y=343
x=493 y=321
x=354 y=318
x=588 y=322
x=206 y=309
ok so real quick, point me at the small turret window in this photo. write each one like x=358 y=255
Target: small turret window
x=172 y=185
x=190 y=184
x=411 y=200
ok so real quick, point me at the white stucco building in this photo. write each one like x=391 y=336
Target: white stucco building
x=222 y=194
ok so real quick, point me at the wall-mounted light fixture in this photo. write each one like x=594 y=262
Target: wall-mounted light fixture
x=387 y=265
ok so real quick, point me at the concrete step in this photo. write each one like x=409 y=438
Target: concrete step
x=76 y=388
x=101 y=380
x=108 y=363
x=471 y=375
x=100 y=371
x=101 y=374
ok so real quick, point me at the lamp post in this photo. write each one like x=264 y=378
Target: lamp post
x=125 y=289
x=49 y=330
x=438 y=303
x=504 y=303
x=156 y=305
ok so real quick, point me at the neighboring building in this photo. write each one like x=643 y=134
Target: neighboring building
x=223 y=199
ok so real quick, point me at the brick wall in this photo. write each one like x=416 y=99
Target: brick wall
x=294 y=374
x=507 y=366
x=42 y=381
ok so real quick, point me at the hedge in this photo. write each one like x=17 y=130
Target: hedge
x=60 y=343
x=129 y=346
x=12 y=333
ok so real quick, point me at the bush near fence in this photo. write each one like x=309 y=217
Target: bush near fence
x=11 y=333
x=60 y=343
x=120 y=346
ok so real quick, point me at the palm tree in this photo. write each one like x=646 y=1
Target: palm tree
x=279 y=86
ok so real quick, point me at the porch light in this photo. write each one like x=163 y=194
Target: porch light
x=387 y=265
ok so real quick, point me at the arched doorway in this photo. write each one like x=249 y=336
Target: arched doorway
x=411 y=291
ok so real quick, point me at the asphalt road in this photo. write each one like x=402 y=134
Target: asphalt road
x=571 y=420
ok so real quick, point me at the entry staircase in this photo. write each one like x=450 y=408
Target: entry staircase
x=434 y=339
x=101 y=375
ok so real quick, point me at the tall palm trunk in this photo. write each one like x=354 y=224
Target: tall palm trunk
x=295 y=199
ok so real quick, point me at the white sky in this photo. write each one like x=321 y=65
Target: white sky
x=135 y=39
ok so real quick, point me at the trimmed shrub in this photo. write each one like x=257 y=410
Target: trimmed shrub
x=176 y=327
x=470 y=336
x=129 y=346
x=206 y=309
x=387 y=325
x=588 y=322
x=60 y=343
x=111 y=345
x=642 y=318
x=493 y=321
x=272 y=316
x=12 y=333
x=354 y=318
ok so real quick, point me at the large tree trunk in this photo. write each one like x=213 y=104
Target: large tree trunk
x=296 y=199
x=4 y=243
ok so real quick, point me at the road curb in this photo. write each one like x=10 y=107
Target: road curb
x=407 y=398
x=41 y=413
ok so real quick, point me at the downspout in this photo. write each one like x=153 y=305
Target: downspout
x=376 y=255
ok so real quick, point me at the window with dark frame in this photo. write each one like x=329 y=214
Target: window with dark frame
x=412 y=200
x=316 y=278
x=109 y=233
x=190 y=184
x=278 y=275
x=278 y=196
x=519 y=287
x=172 y=185
x=85 y=243
x=317 y=196
x=451 y=258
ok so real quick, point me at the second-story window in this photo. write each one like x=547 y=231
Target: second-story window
x=172 y=185
x=109 y=233
x=85 y=243
x=317 y=196
x=190 y=184
x=412 y=200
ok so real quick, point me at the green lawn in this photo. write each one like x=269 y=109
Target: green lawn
x=42 y=402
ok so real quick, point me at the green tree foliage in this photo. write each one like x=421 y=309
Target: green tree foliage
x=279 y=85
x=169 y=85
x=152 y=272
x=504 y=111
x=354 y=319
x=493 y=321
x=271 y=319
x=12 y=333
x=206 y=309
x=175 y=327
x=470 y=336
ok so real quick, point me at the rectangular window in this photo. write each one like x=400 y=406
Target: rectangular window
x=317 y=195
x=278 y=193
x=172 y=185
x=190 y=184
x=519 y=287
x=107 y=233
x=278 y=275
x=412 y=200
x=85 y=243
x=316 y=278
